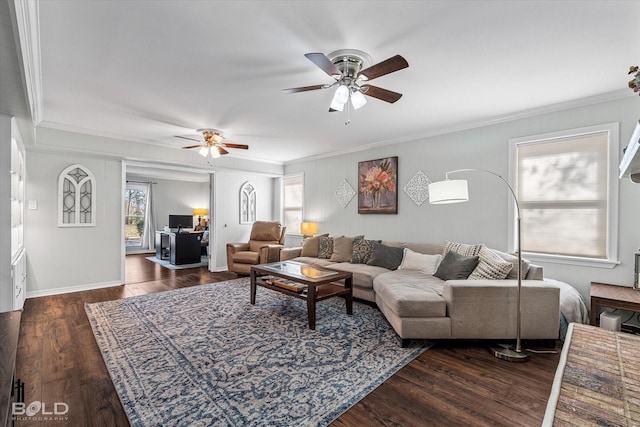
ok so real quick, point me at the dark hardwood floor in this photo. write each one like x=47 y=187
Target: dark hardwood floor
x=454 y=383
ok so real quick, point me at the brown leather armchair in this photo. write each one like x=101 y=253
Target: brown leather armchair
x=265 y=242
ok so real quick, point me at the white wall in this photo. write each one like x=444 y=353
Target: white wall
x=484 y=217
x=65 y=259
x=226 y=215
x=178 y=198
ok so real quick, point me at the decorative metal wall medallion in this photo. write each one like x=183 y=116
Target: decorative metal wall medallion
x=418 y=188
x=344 y=193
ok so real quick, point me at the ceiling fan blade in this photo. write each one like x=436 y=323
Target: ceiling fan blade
x=331 y=110
x=193 y=146
x=241 y=146
x=390 y=65
x=324 y=63
x=184 y=137
x=304 y=88
x=222 y=151
x=382 y=94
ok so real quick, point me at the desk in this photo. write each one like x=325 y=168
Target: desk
x=179 y=248
x=612 y=296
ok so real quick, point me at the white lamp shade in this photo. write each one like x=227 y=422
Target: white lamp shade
x=214 y=152
x=341 y=96
x=358 y=99
x=336 y=106
x=448 y=191
x=308 y=228
x=203 y=151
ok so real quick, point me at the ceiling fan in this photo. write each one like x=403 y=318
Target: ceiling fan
x=213 y=144
x=346 y=67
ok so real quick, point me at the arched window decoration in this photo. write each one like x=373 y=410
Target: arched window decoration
x=76 y=197
x=247 y=203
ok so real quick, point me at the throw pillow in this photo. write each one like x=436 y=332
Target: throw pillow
x=386 y=256
x=428 y=264
x=311 y=246
x=462 y=248
x=513 y=259
x=325 y=247
x=490 y=266
x=456 y=267
x=362 y=250
x=343 y=248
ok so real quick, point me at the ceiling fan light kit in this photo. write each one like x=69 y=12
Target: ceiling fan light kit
x=346 y=67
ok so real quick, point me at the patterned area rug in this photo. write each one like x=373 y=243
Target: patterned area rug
x=204 y=356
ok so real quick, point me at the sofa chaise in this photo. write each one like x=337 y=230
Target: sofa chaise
x=418 y=289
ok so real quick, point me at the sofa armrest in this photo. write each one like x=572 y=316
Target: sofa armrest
x=232 y=248
x=487 y=309
x=270 y=253
x=290 y=253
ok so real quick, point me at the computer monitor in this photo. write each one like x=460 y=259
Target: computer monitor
x=180 y=221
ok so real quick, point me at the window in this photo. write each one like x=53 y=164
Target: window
x=135 y=198
x=292 y=201
x=76 y=197
x=568 y=194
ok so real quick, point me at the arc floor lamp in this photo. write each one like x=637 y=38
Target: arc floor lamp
x=456 y=191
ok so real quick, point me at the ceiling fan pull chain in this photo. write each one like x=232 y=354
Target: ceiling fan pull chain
x=348 y=114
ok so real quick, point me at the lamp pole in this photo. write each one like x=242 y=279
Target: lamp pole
x=504 y=351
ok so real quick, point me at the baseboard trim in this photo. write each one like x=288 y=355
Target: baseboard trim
x=69 y=289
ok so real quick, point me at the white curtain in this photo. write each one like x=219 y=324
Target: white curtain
x=149 y=232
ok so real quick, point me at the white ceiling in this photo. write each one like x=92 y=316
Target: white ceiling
x=149 y=70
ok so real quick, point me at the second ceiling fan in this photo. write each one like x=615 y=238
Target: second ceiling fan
x=345 y=66
x=213 y=144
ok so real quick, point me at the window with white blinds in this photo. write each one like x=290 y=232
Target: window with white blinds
x=567 y=192
x=292 y=202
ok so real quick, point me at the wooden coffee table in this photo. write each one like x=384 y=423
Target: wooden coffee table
x=319 y=283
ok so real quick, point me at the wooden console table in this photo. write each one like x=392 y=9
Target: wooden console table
x=612 y=296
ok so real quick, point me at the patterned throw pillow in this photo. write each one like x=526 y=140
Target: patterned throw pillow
x=462 y=249
x=325 y=248
x=362 y=250
x=490 y=266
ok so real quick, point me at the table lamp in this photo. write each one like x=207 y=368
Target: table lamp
x=308 y=229
x=200 y=212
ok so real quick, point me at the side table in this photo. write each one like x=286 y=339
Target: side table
x=612 y=296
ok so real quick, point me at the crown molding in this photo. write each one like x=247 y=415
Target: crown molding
x=28 y=32
x=552 y=108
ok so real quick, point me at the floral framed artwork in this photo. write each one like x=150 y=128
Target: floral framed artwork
x=378 y=186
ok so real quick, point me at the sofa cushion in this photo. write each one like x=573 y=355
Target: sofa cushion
x=412 y=300
x=490 y=266
x=246 y=257
x=325 y=247
x=425 y=263
x=362 y=249
x=386 y=256
x=266 y=230
x=455 y=266
x=343 y=248
x=363 y=274
x=311 y=245
x=462 y=248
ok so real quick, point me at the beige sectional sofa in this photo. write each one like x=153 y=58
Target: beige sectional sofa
x=420 y=305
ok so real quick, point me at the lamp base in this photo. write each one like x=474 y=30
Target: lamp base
x=506 y=352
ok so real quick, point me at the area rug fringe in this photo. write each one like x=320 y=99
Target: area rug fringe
x=204 y=356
